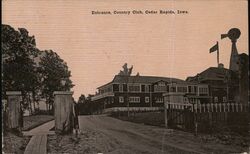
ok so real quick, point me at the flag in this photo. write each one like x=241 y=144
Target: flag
x=214 y=48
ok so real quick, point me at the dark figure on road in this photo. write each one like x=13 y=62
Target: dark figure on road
x=75 y=114
x=21 y=119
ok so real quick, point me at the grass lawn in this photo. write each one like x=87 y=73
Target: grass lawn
x=31 y=122
x=148 y=118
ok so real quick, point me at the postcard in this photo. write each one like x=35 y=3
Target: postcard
x=99 y=77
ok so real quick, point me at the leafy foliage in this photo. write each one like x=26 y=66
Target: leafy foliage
x=86 y=106
x=27 y=69
x=82 y=99
x=53 y=69
x=18 y=53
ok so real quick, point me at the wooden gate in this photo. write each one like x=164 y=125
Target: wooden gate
x=179 y=116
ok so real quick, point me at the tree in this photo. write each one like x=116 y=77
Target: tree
x=126 y=71
x=37 y=74
x=19 y=69
x=53 y=69
x=82 y=99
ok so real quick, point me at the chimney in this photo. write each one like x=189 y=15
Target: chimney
x=221 y=65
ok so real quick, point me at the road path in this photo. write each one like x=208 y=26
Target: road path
x=126 y=137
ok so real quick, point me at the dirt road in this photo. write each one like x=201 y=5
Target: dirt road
x=115 y=136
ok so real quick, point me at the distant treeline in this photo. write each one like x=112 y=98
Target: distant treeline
x=88 y=107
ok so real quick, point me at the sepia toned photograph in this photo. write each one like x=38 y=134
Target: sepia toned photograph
x=125 y=77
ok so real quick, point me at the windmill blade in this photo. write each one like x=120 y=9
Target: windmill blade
x=224 y=36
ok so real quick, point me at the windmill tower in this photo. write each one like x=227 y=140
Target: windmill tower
x=233 y=34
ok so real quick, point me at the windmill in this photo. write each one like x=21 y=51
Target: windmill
x=233 y=34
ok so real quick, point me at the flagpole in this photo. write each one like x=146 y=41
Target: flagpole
x=218 y=54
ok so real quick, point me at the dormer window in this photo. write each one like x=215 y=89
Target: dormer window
x=161 y=84
x=160 y=87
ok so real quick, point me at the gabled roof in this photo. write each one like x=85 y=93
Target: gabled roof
x=212 y=73
x=141 y=79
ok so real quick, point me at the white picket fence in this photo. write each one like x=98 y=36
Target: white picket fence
x=133 y=109
x=210 y=107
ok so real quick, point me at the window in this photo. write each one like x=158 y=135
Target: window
x=195 y=89
x=121 y=99
x=161 y=84
x=146 y=88
x=143 y=88
x=192 y=89
x=216 y=99
x=160 y=88
x=203 y=90
x=134 y=99
x=189 y=89
x=181 y=89
x=134 y=88
x=224 y=99
x=172 y=89
x=120 y=88
x=159 y=100
x=146 y=99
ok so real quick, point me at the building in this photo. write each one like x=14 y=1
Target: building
x=133 y=91
x=148 y=92
x=187 y=92
x=222 y=83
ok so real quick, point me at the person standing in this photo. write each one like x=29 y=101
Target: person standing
x=21 y=119
x=75 y=119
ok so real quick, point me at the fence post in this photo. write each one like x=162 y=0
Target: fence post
x=200 y=108
x=208 y=107
x=13 y=110
x=237 y=107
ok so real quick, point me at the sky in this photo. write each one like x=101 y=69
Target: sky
x=95 y=47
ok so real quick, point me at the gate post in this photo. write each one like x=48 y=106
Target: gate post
x=63 y=111
x=13 y=110
x=166 y=114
